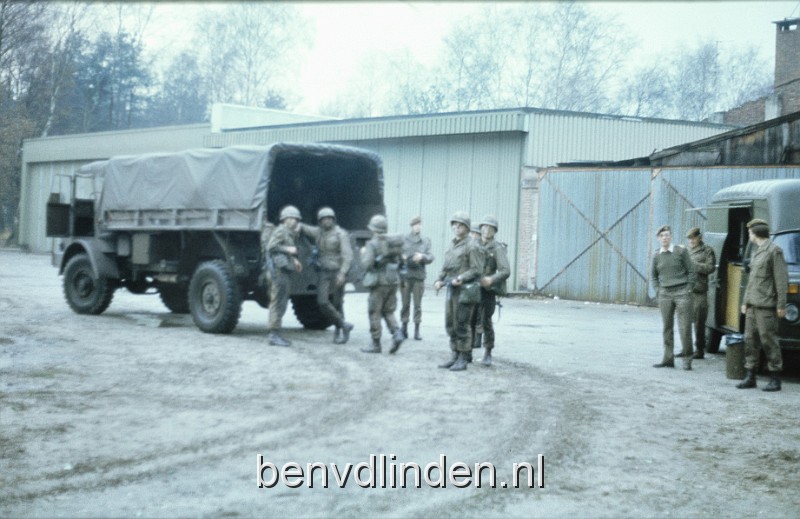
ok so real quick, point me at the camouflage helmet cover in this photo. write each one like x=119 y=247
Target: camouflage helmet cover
x=325 y=212
x=461 y=217
x=490 y=220
x=378 y=224
x=290 y=211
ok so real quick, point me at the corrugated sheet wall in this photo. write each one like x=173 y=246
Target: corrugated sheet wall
x=596 y=226
x=559 y=138
x=435 y=176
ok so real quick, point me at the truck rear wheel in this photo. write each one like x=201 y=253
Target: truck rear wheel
x=85 y=293
x=308 y=313
x=175 y=298
x=215 y=300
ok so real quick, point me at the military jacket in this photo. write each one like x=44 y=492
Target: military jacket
x=382 y=258
x=704 y=261
x=413 y=243
x=769 y=278
x=672 y=269
x=463 y=258
x=335 y=251
x=279 y=241
x=496 y=263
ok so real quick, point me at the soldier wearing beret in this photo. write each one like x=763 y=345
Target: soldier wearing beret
x=705 y=262
x=416 y=254
x=763 y=304
x=673 y=276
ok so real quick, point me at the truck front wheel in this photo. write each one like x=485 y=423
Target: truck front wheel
x=215 y=300
x=85 y=293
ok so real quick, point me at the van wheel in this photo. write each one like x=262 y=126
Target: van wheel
x=215 y=300
x=713 y=338
x=308 y=313
x=85 y=293
x=175 y=298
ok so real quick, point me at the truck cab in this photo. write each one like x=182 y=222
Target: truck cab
x=777 y=202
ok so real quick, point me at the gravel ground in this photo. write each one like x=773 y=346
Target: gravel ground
x=137 y=413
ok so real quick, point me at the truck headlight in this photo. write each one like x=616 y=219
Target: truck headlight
x=792 y=313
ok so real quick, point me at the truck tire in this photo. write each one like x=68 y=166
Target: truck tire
x=85 y=293
x=215 y=300
x=308 y=313
x=175 y=298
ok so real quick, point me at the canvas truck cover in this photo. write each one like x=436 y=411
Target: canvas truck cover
x=202 y=188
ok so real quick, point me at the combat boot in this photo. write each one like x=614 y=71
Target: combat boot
x=346 y=329
x=337 y=336
x=665 y=364
x=461 y=362
x=397 y=340
x=749 y=380
x=276 y=340
x=405 y=330
x=679 y=355
x=468 y=356
x=774 y=383
x=477 y=340
x=487 y=358
x=417 y=336
x=699 y=354
x=375 y=347
x=449 y=363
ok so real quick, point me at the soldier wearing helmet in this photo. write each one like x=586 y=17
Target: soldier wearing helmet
x=463 y=264
x=334 y=254
x=380 y=259
x=282 y=254
x=416 y=254
x=496 y=271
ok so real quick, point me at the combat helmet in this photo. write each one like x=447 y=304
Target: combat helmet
x=378 y=224
x=461 y=217
x=290 y=211
x=325 y=212
x=490 y=220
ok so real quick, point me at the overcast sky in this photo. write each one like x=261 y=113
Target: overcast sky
x=345 y=30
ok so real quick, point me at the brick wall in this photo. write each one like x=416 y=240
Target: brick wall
x=787 y=52
x=528 y=225
x=752 y=112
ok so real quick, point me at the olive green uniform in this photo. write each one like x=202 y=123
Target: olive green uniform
x=464 y=260
x=382 y=261
x=766 y=291
x=496 y=267
x=277 y=248
x=334 y=259
x=704 y=261
x=673 y=274
x=414 y=283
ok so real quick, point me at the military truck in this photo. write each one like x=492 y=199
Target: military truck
x=188 y=225
x=777 y=202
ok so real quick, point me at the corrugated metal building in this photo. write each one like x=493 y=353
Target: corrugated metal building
x=602 y=221
x=433 y=164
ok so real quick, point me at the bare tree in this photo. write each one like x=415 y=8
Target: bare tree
x=647 y=93
x=245 y=48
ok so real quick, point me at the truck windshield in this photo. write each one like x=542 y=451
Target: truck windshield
x=790 y=244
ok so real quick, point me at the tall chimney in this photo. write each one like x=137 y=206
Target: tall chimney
x=787 y=51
